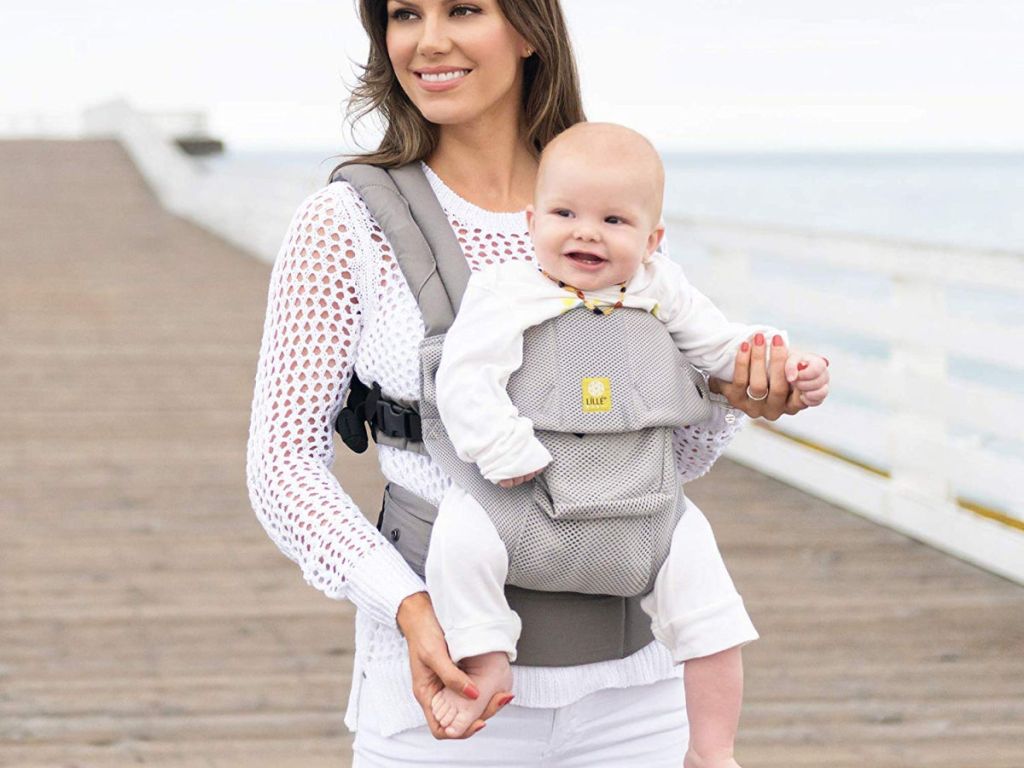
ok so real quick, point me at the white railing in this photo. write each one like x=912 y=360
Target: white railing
x=179 y=124
x=37 y=125
x=248 y=212
x=907 y=438
x=182 y=123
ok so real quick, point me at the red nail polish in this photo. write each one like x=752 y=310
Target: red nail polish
x=776 y=341
x=801 y=365
x=745 y=346
x=826 y=360
x=758 y=339
x=505 y=700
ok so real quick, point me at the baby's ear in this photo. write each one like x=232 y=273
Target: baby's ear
x=529 y=218
x=653 y=241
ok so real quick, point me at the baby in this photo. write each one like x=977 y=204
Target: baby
x=595 y=226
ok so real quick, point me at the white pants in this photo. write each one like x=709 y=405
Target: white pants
x=642 y=725
x=694 y=607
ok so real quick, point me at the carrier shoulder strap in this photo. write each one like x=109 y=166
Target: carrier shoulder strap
x=429 y=255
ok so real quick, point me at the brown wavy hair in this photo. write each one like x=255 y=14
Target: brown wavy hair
x=551 y=98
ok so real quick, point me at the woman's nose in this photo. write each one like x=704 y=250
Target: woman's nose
x=434 y=37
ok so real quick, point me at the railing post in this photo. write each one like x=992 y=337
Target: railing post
x=918 y=435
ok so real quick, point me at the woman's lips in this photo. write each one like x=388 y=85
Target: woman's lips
x=443 y=85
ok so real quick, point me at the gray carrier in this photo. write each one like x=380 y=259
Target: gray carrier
x=604 y=394
x=586 y=538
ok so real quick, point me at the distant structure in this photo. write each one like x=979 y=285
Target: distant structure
x=186 y=128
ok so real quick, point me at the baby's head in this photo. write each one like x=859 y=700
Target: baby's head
x=596 y=212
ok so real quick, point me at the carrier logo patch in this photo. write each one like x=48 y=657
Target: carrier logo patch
x=597 y=394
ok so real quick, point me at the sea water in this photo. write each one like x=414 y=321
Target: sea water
x=973 y=200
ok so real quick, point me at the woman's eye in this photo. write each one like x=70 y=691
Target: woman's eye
x=403 y=14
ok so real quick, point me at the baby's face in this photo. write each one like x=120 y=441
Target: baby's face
x=593 y=221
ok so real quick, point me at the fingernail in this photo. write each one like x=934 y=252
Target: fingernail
x=801 y=365
x=745 y=346
x=471 y=691
x=776 y=341
x=758 y=339
x=505 y=700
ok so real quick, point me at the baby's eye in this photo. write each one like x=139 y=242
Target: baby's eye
x=614 y=220
x=563 y=212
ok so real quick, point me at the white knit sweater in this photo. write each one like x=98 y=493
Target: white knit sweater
x=338 y=304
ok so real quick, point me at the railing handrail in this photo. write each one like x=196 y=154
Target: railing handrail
x=891 y=257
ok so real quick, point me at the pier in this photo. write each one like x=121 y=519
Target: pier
x=147 y=619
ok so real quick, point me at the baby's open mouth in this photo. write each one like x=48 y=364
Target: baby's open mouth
x=584 y=258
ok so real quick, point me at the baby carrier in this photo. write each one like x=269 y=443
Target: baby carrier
x=586 y=538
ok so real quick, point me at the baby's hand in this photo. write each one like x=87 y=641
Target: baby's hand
x=808 y=373
x=512 y=482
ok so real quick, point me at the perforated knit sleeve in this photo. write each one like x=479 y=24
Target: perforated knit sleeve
x=310 y=337
x=698 y=446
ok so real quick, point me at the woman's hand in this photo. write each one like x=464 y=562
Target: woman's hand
x=807 y=373
x=433 y=668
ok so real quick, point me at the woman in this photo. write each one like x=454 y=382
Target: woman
x=474 y=90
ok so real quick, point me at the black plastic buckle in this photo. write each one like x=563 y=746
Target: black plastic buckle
x=351 y=421
x=396 y=421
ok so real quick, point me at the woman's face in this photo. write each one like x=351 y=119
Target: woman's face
x=456 y=61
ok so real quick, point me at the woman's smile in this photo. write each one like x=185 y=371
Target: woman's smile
x=440 y=78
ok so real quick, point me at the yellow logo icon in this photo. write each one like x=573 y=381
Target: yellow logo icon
x=597 y=394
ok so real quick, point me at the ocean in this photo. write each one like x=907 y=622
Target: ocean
x=972 y=200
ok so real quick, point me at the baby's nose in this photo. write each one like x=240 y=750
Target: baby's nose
x=584 y=232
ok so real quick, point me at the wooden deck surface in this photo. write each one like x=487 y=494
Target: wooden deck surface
x=146 y=618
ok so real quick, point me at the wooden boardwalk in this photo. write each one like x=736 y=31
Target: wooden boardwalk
x=146 y=619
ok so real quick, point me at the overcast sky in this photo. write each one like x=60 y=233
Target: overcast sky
x=691 y=74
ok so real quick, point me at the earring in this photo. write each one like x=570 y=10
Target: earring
x=529 y=52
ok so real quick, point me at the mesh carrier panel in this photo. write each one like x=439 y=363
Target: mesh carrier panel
x=605 y=394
